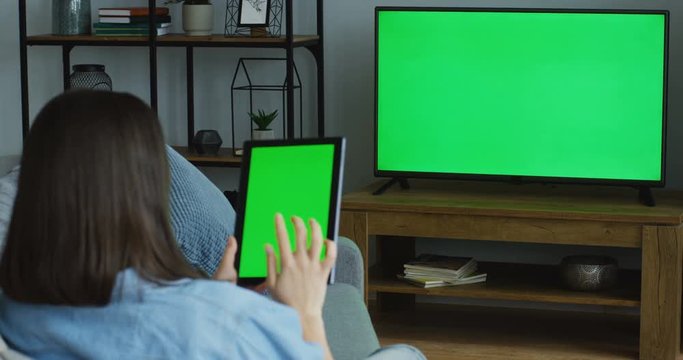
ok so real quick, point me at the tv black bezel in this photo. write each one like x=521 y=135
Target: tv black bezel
x=526 y=178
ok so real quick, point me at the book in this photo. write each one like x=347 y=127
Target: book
x=130 y=32
x=128 y=26
x=440 y=265
x=131 y=11
x=465 y=270
x=133 y=19
x=427 y=282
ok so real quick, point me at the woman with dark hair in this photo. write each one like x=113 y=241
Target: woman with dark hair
x=91 y=269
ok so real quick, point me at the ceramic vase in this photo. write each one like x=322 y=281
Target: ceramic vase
x=263 y=134
x=198 y=19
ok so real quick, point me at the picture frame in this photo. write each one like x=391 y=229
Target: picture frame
x=254 y=13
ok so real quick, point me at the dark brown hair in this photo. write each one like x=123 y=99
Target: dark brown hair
x=92 y=201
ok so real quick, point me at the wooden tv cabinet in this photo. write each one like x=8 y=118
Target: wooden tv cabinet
x=533 y=213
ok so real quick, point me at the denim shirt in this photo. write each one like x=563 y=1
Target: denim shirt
x=184 y=319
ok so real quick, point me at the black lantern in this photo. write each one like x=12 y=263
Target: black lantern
x=89 y=76
x=207 y=142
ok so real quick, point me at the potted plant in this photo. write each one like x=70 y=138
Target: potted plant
x=197 y=16
x=262 y=121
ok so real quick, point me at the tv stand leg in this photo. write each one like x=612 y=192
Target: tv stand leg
x=645 y=196
x=401 y=181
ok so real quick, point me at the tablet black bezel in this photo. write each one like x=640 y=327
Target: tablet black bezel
x=335 y=193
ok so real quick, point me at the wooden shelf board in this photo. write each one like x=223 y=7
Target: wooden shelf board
x=519 y=282
x=216 y=40
x=225 y=158
x=474 y=333
x=537 y=201
x=299 y=40
x=47 y=39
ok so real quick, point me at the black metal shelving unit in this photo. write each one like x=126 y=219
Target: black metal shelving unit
x=250 y=88
x=288 y=42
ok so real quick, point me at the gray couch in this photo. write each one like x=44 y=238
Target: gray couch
x=347 y=323
x=7 y=163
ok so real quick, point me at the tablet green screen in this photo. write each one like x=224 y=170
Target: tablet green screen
x=291 y=180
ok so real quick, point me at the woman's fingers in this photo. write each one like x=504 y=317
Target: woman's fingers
x=287 y=258
x=230 y=252
x=283 y=240
x=330 y=256
x=316 y=240
x=301 y=234
x=271 y=280
x=226 y=269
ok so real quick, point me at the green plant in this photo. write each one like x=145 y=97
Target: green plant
x=262 y=120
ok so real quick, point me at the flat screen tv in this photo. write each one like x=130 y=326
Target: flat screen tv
x=521 y=94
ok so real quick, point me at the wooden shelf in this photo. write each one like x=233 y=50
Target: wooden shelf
x=537 y=201
x=216 y=40
x=519 y=282
x=545 y=214
x=48 y=39
x=474 y=333
x=225 y=158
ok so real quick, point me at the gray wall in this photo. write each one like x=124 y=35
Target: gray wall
x=349 y=74
x=349 y=91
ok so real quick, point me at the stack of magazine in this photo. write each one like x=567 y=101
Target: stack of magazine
x=428 y=271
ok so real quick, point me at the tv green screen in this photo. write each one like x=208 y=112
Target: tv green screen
x=302 y=180
x=566 y=95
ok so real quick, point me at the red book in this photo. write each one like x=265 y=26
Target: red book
x=132 y=11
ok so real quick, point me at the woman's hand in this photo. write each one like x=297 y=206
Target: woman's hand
x=302 y=283
x=226 y=269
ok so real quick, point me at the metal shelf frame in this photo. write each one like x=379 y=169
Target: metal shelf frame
x=251 y=87
x=312 y=43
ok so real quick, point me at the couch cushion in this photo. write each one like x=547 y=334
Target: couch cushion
x=201 y=216
x=349 y=267
x=8 y=162
x=347 y=323
x=8 y=191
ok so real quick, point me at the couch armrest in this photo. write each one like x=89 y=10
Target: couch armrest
x=349 y=268
x=8 y=162
x=347 y=323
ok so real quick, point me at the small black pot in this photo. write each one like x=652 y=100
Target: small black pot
x=207 y=142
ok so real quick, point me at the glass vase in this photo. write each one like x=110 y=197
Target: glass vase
x=70 y=17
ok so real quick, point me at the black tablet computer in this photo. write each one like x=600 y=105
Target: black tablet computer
x=292 y=177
